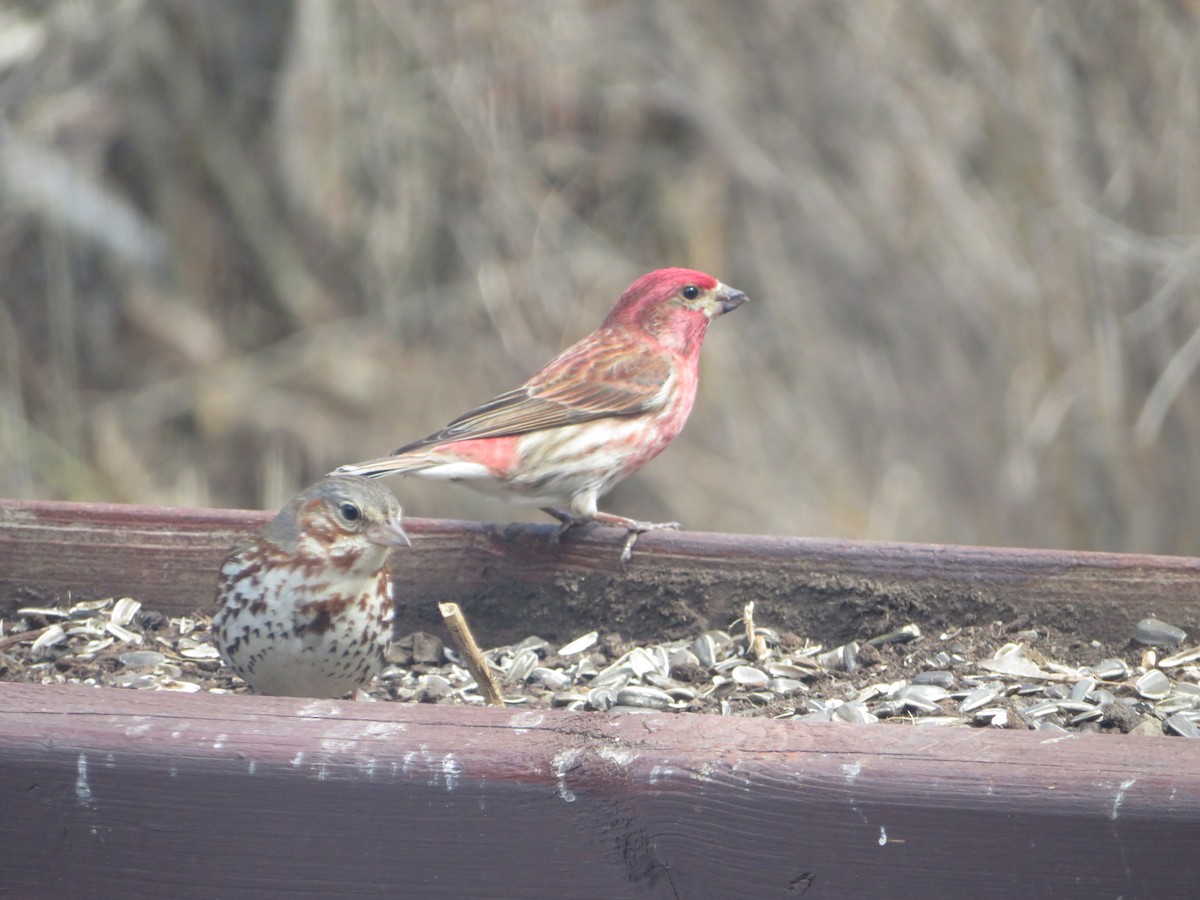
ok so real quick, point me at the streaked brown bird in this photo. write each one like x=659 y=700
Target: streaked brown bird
x=593 y=415
x=306 y=609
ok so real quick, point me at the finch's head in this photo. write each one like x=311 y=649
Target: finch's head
x=674 y=306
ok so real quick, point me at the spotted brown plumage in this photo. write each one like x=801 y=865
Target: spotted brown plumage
x=596 y=413
x=306 y=609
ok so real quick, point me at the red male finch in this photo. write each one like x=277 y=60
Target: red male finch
x=306 y=608
x=594 y=414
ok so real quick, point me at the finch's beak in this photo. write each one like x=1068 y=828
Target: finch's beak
x=730 y=299
x=388 y=534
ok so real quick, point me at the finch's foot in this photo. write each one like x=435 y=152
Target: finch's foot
x=568 y=522
x=633 y=528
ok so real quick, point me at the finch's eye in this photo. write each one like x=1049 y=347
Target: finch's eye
x=691 y=292
x=350 y=512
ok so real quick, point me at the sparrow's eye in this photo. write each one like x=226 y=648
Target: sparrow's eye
x=691 y=292
x=350 y=512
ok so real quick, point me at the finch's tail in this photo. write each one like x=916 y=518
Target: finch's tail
x=385 y=465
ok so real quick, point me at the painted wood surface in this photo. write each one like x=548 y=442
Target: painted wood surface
x=512 y=581
x=121 y=793
x=112 y=793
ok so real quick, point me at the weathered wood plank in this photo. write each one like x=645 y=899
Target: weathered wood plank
x=117 y=793
x=512 y=581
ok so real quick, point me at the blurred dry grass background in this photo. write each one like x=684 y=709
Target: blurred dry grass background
x=245 y=241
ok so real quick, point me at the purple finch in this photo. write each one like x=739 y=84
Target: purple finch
x=596 y=413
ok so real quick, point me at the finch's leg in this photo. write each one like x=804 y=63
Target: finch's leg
x=568 y=521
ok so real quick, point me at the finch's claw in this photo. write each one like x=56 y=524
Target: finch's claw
x=627 y=548
x=634 y=529
x=568 y=522
x=561 y=530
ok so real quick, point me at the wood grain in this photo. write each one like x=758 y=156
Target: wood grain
x=118 y=793
x=512 y=581
x=121 y=793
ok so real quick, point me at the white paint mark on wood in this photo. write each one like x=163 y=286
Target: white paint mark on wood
x=523 y=721
x=451 y=771
x=83 y=790
x=320 y=709
x=619 y=755
x=1119 y=799
x=564 y=761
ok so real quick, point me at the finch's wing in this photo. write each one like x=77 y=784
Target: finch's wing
x=602 y=376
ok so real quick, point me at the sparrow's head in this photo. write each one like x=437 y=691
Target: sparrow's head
x=339 y=515
x=674 y=306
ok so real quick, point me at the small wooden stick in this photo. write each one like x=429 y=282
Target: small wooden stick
x=755 y=642
x=472 y=655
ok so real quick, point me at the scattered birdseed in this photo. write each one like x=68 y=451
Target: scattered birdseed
x=981 y=676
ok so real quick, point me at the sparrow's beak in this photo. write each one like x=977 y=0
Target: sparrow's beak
x=730 y=299
x=388 y=534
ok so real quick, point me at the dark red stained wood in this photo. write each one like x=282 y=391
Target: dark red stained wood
x=511 y=581
x=106 y=549
x=110 y=793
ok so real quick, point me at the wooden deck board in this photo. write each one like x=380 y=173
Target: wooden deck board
x=512 y=581
x=124 y=793
x=120 y=793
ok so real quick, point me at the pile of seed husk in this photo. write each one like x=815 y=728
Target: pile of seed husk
x=999 y=675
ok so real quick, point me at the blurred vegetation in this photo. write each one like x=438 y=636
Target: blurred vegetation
x=246 y=241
